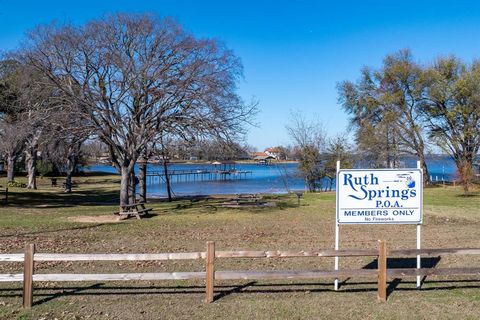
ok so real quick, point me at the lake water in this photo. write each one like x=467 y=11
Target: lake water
x=276 y=178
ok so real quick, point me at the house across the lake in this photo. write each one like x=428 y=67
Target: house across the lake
x=262 y=157
x=274 y=152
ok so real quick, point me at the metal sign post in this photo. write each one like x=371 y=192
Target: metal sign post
x=337 y=231
x=419 y=231
x=379 y=196
x=419 y=263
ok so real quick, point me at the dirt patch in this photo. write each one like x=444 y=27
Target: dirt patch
x=96 y=219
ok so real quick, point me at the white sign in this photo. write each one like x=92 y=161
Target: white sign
x=379 y=196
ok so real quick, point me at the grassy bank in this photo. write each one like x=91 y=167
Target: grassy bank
x=48 y=218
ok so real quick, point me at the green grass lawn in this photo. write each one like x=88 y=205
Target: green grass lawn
x=48 y=218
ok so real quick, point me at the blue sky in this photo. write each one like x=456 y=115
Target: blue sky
x=294 y=52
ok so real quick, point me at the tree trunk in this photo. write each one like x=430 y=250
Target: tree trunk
x=167 y=180
x=389 y=164
x=465 y=170
x=124 y=185
x=395 y=155
x=68 y=182
x=10 y=168
x=426 y=174
x=133 y=187
x=71 y=168
x=31 y=160
x=311 y=184
x=142 y=176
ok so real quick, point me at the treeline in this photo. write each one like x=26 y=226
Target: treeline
x=37 y=127
x=134 y=83
x=209 y=150
x=405 y=108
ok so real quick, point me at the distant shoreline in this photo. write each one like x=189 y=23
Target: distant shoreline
x=93 y=163
x=435 y=156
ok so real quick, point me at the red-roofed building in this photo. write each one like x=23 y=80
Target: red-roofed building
x=274 y=152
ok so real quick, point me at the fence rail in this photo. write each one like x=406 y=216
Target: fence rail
x=28 y=277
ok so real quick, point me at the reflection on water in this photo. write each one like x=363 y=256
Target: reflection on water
x=277 y=178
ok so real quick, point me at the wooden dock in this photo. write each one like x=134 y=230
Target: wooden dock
x=194 y=175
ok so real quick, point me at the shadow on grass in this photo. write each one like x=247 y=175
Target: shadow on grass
x=468 y=195
x=181 y=205
x=56 y=198
x=222 y=291
x=400 y=263
x=83 y=227
x=90 y=226
x=48 y=199
x=235 y=289
x=66 y=292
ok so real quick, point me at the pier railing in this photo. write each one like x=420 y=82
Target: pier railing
x=193 y=171
x=200 y=174
x=29 y=276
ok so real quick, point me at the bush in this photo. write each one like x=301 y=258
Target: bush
x=17 y=184
x=46 y=169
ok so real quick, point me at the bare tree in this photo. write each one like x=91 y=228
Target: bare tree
x=37 y=102
x=338 y=149
x=69 y=131
x=309 y=136
x=94 y=149
x=12 y=139
x=135 y=77
x=217 y=149
x=25 y=105
x=65 y=151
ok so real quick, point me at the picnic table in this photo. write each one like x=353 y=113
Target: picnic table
x=65 y=184
x=244 y=200
x=247 y=197
x=135 y=209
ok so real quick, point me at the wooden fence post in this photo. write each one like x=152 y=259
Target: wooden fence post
x=210 y=271
x=382 y=271
x=28 y=269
